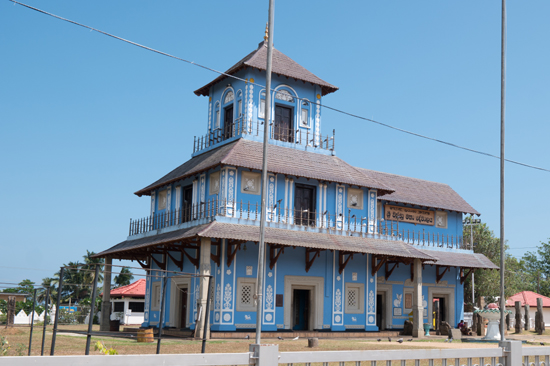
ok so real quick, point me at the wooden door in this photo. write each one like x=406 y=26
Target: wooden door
x=301 y=309
x=228 y=122
x=283 y=128
x=304 y=205
x=183 y=317
x=187 y=212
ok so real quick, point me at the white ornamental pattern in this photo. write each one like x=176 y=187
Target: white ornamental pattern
x=269 y=297
x=230 y=193
x=371 y=301
x=338 y=301
x=218 y=297
x=203 y=189
x=340 y=207
x=227 y=297
x=209 y=116
x=317 y=123
x=250 y=105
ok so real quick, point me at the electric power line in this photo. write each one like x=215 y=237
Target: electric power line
x=262 y=86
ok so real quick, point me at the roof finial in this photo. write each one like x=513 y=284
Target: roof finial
x=266 y=37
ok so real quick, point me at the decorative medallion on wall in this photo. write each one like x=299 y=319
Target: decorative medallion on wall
x=250 y=182
x=217 y=317
x=353 y=319
x=228 y=272
x=397 y=301
x=268 y=317
x=338 y=301
x=355 y=198
x=371 y=280
x=338 y=278
x=337 y=319
x=249 y=270
x=227 y=317
x=270 y=274
x=371 y=319
x=354 y=276
x=227 y=297
x=441 y=219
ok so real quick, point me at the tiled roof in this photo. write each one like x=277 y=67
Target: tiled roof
x=281 y=160
x=460 y=259
x=528 y=297
x=135 y=289
x=282 y=65
x=420 y=192
x=274 y=236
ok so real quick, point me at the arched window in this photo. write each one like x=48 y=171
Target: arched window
x=284 y=95
x=261 y=108
x=228 y=114
x=228 y=97
x=305 y=114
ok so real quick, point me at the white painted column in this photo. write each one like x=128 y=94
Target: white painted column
x=204 y=270
x=418 y=309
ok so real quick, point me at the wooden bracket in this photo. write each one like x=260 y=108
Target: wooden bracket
x=439 y=275
x=232 y=247
x=309 y=261
x=161 y=265
x=194 y=260
x=146 y=265
x=178 y=263
x=274 y=257
x=375 y=267
x=390 y=271
x=463 y=276
x=343 y=263
x=216 y=258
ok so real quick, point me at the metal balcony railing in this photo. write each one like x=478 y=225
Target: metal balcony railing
x=338 y=224
x=241 y=127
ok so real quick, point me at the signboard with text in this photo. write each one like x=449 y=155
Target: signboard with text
x=410 y=215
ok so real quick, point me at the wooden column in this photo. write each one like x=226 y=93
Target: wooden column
x=106 y=304
x=204 y=271
x=518 y=317
x=418 y=310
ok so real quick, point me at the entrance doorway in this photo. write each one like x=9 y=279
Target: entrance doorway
x=283 y=129
x=304 y=205
x=228 y=122
x=183 y=309
x=439 y=312
x=380 y=319
x=301 y=309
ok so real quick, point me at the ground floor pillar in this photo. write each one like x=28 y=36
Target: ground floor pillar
x=204 y=272
x=106 y=304
x=418 y=309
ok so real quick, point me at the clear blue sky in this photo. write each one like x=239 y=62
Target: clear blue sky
x=87 y=120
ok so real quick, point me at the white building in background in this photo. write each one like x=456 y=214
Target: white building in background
x=529 y=297
x=128 y=302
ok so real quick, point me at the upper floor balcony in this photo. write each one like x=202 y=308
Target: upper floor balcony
x=278 y=134
x=293 y=219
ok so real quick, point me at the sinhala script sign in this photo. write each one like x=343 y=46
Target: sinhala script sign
x=411 y=215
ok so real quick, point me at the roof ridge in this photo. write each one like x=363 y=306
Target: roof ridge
x=403 y=176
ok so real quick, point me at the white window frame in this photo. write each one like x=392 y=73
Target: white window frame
x=257 y=179
x=155 y=296
x=241 y=282
x=360 y=299
x=360 y=198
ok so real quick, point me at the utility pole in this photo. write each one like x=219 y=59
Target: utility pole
x=502 y=130
x=267 y=120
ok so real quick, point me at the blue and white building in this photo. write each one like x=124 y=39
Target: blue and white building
x=347 y=248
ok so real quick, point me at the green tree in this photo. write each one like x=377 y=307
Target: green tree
x=487 y=282
x=537 y=265
x=124 y=278
x=25 y=287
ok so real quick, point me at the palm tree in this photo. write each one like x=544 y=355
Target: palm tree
x=124 y=278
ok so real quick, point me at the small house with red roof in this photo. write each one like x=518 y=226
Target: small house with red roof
x=529 y=297
x=128 y=303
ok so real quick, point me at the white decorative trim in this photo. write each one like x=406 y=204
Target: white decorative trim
x=271 y=192
x=209 y=115
x=317 y=131
x=372 y=210
x=153 y=196
x=340 y=194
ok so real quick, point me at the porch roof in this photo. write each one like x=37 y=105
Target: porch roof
x=306 y=239
x=460 y=259
x=281 y=160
